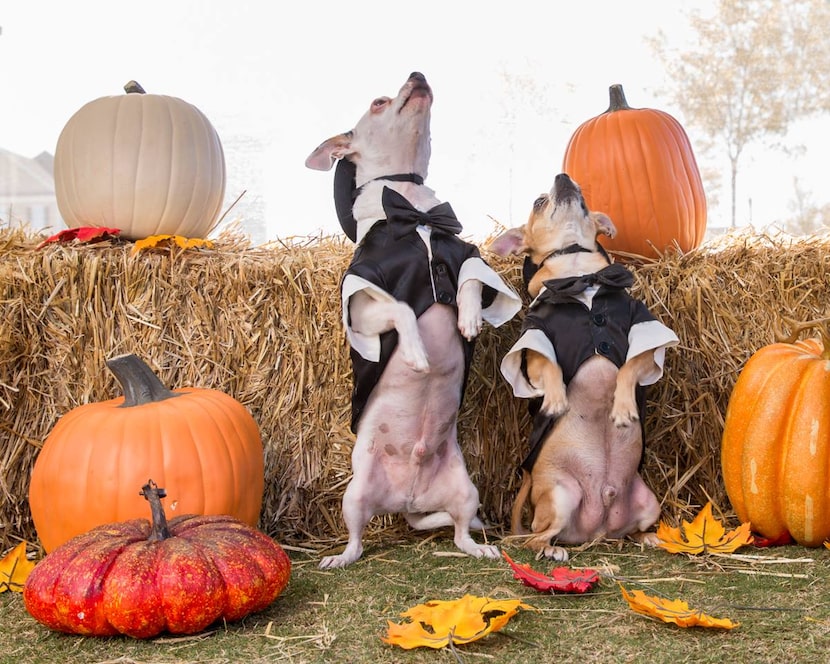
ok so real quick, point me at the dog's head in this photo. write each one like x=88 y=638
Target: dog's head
x=392 y=136
x=560 y=224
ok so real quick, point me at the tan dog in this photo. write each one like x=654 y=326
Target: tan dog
x=585 y=347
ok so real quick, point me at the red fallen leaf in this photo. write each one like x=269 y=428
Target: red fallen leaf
x=560 y=579
x=764 y=542
x=83 y=234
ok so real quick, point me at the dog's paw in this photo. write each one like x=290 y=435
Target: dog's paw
x=470 y=326
x=622 y=420
x=554 y=553
x=415 y=356
x=555 y=403
x=646 y=539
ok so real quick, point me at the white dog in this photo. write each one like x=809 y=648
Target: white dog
x=414 y=298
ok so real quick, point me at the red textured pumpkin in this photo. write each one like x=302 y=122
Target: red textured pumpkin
x=637 y=166
x=140 y=578
x=201 y=444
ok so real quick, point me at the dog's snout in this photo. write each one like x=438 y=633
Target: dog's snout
x=417 y=76
x=565 y=188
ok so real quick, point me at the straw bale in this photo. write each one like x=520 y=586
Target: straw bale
x=263 y=324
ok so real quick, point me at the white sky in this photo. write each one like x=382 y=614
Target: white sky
x=289 y=78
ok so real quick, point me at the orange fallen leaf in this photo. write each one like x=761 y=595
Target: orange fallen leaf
x=15 y=569
x=704 y=534
x=82 y=235
x=673 y=611
x=435 y=623
x=163 y=241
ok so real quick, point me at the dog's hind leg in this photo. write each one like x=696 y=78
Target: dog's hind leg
x=356 y=513
x=516 y=527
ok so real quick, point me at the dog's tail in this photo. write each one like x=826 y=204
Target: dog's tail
x=516 y=527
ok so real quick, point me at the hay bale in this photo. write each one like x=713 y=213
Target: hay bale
x=263 y=325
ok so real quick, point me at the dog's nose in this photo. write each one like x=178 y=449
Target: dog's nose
x=418 y=76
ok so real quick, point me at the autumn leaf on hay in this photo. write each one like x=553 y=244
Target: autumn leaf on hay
x=164 y=241
x=15 y=569
x=673 y=611
x=434 y=624
x=82 y=235
x=704 y=534
x=560 y=579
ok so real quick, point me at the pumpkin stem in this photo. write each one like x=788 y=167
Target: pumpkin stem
x=138 y=381
x=617 y=96
x=134 y=87
x=797 y=328
x=153 y=495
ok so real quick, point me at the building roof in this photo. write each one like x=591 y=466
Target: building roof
x=22 y=176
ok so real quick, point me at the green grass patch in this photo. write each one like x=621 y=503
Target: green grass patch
x=779 y=596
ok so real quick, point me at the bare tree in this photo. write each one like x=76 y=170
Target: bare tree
x=806 y=217
x=758 y=66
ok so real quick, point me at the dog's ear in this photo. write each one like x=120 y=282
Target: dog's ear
x=604 y=224
x=329 y=151
x=510 y=242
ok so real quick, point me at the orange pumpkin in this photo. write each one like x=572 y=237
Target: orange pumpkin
x=637 y=166
x=201 y=444
x=775 y=451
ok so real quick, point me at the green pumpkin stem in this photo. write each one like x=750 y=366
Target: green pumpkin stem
x=133 y=87
x=140 y=384
x=617 y=96
x=153 y=495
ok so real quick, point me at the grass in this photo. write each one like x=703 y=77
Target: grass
x=779 y=596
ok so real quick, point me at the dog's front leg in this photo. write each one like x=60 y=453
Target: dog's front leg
x=469 y=309
x=372 y=316
x=547 y=376
x=624 y=412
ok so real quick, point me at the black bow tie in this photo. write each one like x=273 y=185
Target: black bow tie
x=403 y=218
x=615 y=276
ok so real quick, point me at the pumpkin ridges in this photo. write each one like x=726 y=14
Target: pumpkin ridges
x=805 y=472
x=637 y=165
x=114 y=149
x=787 y=386
x=137 y=579
x=103 y=447
x=750 y=416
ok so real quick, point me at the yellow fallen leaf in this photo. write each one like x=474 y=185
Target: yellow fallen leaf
x=673 y=611
x=704 y=534
x=161 y=241
x=15 y=569
x=433 y=624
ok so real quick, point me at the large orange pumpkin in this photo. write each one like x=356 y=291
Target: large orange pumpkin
x=146 y=164
x=202 y=445
x=637 y=166
x=775 y=451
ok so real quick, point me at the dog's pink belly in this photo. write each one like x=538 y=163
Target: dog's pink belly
x=410 y=423
x=599 y=461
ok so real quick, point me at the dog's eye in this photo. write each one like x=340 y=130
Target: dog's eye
x=540 y=202
x=380 y=101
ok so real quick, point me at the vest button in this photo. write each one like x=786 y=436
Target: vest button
x=598 y=319
x=604 y=347
x=444 y=297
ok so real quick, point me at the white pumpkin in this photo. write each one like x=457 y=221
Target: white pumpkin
x=143 y=163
